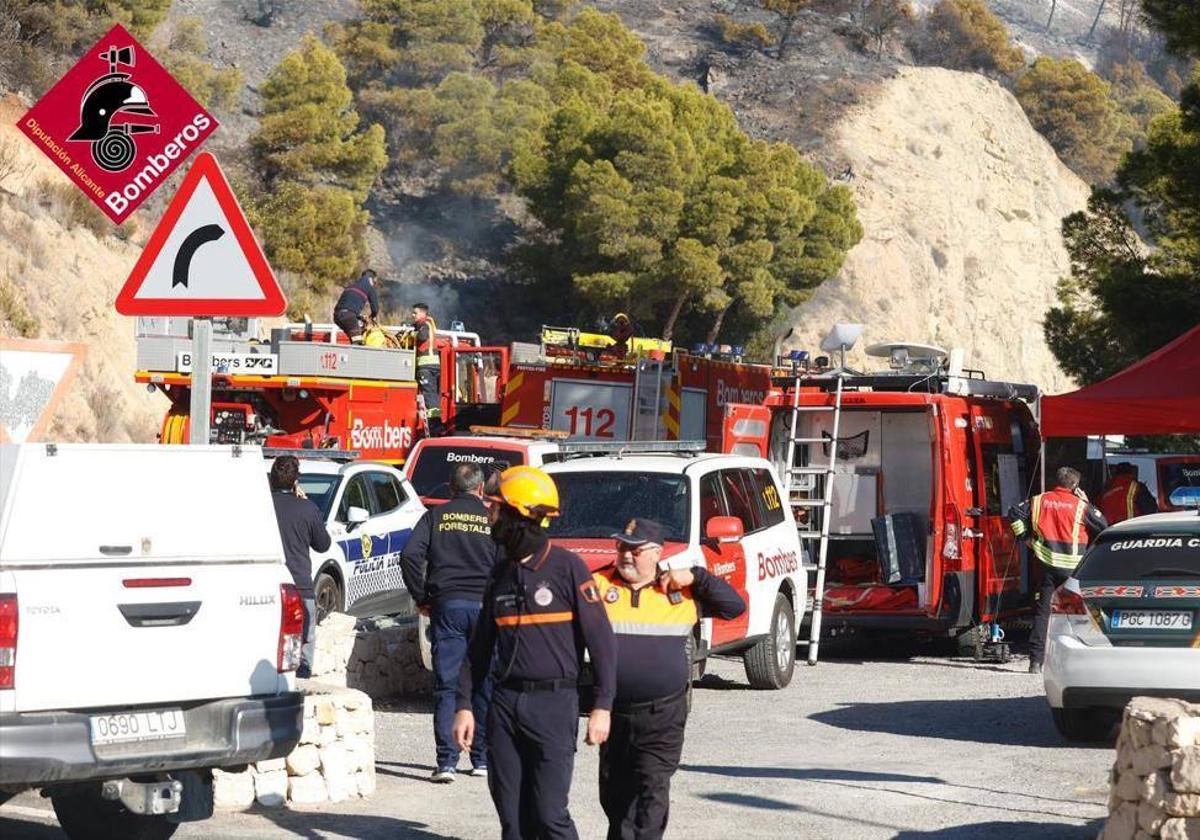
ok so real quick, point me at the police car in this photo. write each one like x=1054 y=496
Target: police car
x=370 y=510
x=1126 y=623
x=723 y=512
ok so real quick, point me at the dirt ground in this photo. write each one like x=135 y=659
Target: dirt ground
x=869 y=744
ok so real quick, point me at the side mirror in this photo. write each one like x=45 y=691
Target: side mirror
x=356 y=516
x=724 y=529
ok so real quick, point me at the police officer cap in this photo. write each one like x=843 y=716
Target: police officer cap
x=641 y=532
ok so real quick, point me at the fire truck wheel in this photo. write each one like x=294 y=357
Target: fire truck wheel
x=771 y=662
x=327 y=592
x=1089 y=725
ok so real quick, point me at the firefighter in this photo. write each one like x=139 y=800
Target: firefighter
x=1125 y=497
x=347 y=312
x=429 y=365
x=652 y=625
x=621 y=331
x=1059 y=524
x=446 y=566
x=540 y=610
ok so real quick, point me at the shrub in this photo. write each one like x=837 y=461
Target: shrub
x=966 y=35
x=1072 y=107
x=743 y=36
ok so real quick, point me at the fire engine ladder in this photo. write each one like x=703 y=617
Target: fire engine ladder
x=648 y=396
x=816 y=504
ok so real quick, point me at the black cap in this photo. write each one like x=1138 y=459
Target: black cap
x=641 y=532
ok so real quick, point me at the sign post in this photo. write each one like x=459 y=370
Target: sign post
x=201 y=402
x=202 y=261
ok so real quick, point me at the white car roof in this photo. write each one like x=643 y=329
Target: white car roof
x=533 y=445
x=654 y=463
x=324 y=466
x=1183 y=520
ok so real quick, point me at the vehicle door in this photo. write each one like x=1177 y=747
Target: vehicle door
x=355 y=540
x=726 y=560
x=746 y=430
x=782 y=556
x=998 y=449
x=395 y=510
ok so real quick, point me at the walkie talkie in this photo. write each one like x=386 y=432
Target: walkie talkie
x=674 y=595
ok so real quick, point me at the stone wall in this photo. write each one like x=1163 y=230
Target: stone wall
x=334 y=761
x=1155 y=789
x=386 y=660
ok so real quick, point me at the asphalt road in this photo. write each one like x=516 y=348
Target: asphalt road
x=865 y=745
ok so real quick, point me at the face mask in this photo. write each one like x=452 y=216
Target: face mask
x=517 y=535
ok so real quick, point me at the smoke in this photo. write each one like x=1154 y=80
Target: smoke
x=444 y=302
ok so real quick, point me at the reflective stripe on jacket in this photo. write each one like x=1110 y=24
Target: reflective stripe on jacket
x=1059 y=525
x=427 y=354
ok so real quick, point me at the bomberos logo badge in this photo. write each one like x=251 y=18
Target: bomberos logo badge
x=118 y=124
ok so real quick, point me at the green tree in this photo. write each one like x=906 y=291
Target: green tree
x=1122 y=300
x=316 y=165
x=143 y=16
x=880 y=18
x=309 y=131
x=967 y=35
x=1178 y=20
x=1073 y=109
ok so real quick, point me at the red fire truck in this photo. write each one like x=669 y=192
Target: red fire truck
x=308 y=387
x=652 y=393
x=909 y=509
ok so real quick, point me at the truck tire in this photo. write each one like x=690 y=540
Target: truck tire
x=327 y=593
x=84 y=815
x=1083 y=725
x=771 y=662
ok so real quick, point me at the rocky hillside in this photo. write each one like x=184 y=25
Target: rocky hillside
x=58 y=280
x=961 y=201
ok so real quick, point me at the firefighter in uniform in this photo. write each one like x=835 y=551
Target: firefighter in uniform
x=540 y=610
x=1125 y=497
x=446 y=564
x=429 y=366
x=1059 y=524
x=347 y=312
x=652 y=624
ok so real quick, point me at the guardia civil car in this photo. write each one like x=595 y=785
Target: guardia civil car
x=1127 y=623
x=370 y=510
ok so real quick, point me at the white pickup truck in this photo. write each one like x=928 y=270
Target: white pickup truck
x=149 y=630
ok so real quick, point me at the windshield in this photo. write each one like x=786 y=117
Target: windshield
x=320 y=489
x=431 y=473
x=1131 y=556
x=595 y=505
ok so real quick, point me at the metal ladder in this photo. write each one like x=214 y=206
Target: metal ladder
x=822 y=504
x=648 y=395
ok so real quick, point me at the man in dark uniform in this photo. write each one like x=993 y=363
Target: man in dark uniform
x=652 y=624
x=301 y=527
x=347 y=312
x=429 y=365
x=540 y=611
x=447 y=563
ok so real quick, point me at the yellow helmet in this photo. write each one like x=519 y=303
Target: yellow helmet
x=528 y=490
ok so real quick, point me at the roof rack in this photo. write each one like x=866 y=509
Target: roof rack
x=312 y=454
x=633 y=447
x=530 y=434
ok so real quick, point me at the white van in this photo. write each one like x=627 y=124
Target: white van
x=149 y=630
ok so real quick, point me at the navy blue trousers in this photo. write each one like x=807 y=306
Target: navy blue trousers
x=531 y=757
x=452 y=623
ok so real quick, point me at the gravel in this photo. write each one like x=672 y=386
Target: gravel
x=858 y=747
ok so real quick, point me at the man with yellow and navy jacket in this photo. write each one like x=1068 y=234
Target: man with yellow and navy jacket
x=540 y=611
x=1059 y=524
x=653 y=614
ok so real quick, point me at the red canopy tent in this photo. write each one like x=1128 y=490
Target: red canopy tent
x=1160 y=395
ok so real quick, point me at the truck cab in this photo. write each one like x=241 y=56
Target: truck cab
x=725 y=513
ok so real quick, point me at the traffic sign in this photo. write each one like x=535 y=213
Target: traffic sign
x=34 y=377
x=202 y=259
x=117 y=124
